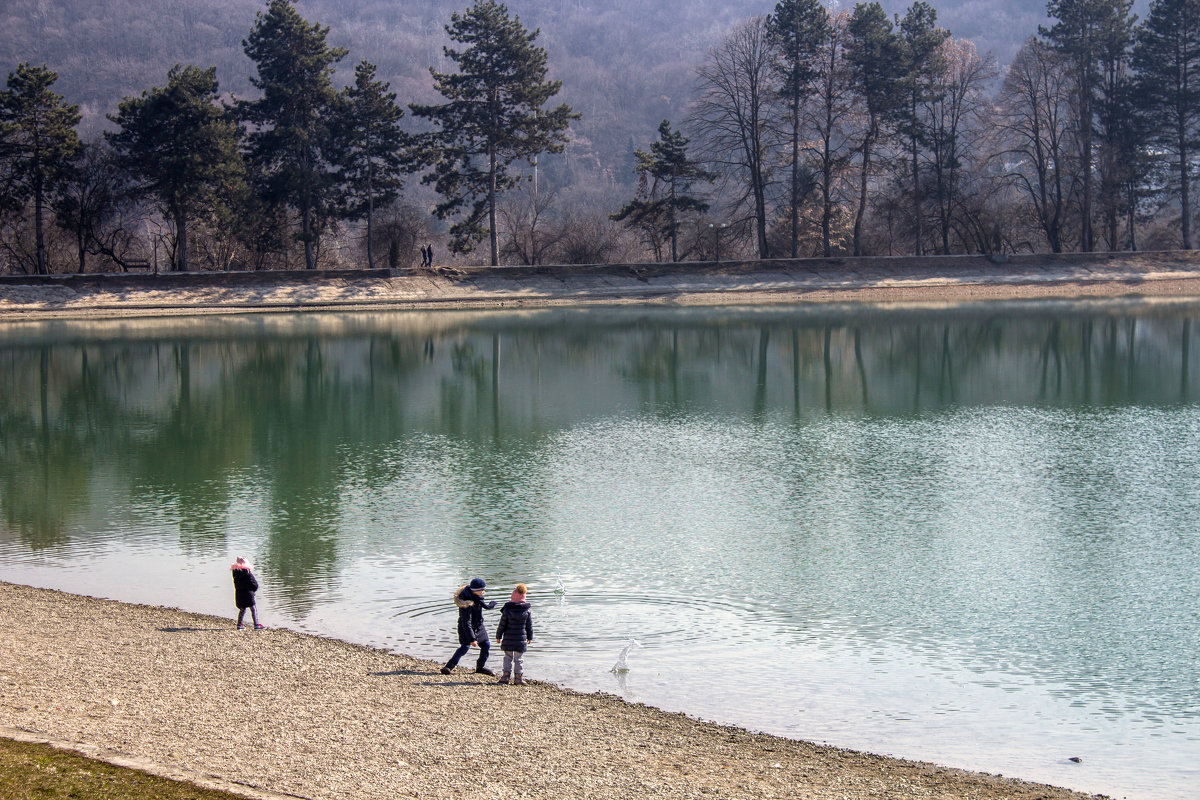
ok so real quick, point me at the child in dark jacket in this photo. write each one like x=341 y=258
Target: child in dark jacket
x=515 y=632
x=244 y=587
x=471 y=631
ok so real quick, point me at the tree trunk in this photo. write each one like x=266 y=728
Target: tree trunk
x=181 y=238
x=796 y=180
x=862 y=192
x=1185 y=189
x=674 y=231
x=370 y=216
x=1087 y=239
x=493 y=236
x=39 y=225
x=916 y=177
x=310 y=261
x=81 y=245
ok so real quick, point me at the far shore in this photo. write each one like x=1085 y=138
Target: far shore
x=275 y=713
x=900 y=280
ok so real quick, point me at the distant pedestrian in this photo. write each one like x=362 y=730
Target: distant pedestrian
x=429 y=256
x=471 y=631
x=515 y=632
x=244 y=587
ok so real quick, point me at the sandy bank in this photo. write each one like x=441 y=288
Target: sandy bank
x=296 y=715
x=892 y=280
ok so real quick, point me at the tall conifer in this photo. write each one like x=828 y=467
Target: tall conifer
x=494 y=116
x=1167 y=59
x=178 y=142
x=797 y=29
x=290 y=141
x=660 y=204
x=37 y=142
x=373 y=152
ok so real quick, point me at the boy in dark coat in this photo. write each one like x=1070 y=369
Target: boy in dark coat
x=515 y=632
x=471 y=631
x=244 y=587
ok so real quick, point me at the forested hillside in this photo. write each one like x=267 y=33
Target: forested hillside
x=625 y=64
x=313 y=132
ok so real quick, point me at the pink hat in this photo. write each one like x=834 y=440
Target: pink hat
x=242 y=563
x=518 y=594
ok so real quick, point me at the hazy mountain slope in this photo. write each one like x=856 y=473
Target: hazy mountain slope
x=625 y=64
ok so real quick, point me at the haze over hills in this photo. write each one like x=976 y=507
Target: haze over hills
x=625 y=64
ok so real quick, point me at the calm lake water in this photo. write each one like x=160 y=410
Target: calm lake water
x=965 y=535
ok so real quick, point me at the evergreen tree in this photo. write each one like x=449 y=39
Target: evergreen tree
x=797 y=31
x=875 y=55
x=179 y=144
x=657 y=207
x=495 y=116
x=373 y=151
x=290 y=141
x=921 y=42
x=37 y=144
x=1167 y=60
x=1085 y=31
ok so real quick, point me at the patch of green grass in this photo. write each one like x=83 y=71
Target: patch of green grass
x=41 y=772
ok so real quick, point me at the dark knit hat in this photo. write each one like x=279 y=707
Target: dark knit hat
x=477 y=585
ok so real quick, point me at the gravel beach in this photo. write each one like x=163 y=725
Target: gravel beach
x=275 y=713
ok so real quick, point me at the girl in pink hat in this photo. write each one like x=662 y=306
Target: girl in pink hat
x=244 y=587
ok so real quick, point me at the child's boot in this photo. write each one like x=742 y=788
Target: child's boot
x=503 y=678
x=519 y=681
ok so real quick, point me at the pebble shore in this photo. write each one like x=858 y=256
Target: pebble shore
x=276 y=713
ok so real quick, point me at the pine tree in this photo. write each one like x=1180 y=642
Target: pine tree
x=1167 y=60
x=875 y=55
x=291 y=126
x=921 y=42
x=37 y=143
x=659 y=206
x=373 y=152
x=1085 y=33
x=494 y=117
x=797 y=30
x=180 y=145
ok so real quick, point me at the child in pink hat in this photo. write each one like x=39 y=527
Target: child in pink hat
x=515 y=632
x=244 y=587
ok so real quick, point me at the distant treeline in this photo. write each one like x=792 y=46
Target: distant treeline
x=810 y=133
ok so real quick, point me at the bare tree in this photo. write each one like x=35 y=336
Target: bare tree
x=955 y=128
x=1034 y=123
x=732 y=118
x=529 y=228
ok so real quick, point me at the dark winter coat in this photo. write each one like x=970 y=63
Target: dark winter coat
x=244 y=587
x=470 y=617
x=516 y=626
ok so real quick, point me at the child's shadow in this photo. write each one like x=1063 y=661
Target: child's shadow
x=400 y=672
x=192 y=630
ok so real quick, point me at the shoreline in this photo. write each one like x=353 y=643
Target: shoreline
x=277 y=713
x=943 y=279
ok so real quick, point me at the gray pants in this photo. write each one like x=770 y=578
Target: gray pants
x=514 y=659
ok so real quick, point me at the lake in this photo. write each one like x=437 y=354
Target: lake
x=963 y=534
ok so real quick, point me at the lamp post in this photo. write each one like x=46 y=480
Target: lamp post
x=717 y=228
